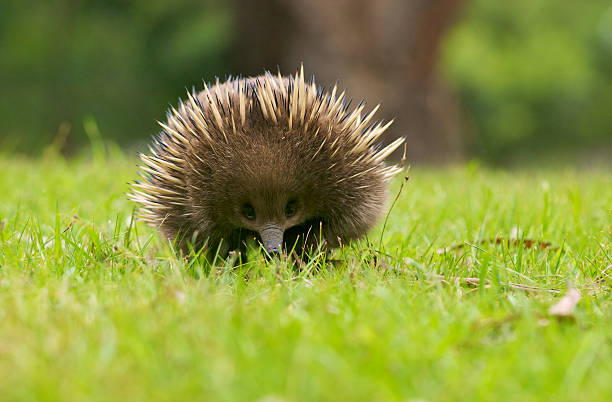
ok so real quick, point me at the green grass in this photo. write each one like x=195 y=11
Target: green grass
x=97 y=309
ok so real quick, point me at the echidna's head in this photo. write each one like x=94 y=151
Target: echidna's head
x=271 y=157
x=265 y=194
x=269 y=209
x=266 y=184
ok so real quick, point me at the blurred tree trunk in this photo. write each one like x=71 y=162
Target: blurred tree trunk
x=381 y=51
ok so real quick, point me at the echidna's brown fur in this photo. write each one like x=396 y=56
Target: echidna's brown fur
x=265 y=142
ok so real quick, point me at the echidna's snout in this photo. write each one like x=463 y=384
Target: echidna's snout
x=272 y=238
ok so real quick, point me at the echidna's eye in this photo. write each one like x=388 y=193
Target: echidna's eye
x=248 y=211
x=291 y=208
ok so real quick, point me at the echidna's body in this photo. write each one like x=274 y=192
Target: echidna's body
x=268 y=157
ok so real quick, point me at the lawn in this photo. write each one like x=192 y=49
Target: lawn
x=450 y=302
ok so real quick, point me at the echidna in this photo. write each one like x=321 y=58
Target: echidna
x=269 y=157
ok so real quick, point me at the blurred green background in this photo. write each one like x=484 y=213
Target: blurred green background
x=530 y=78
x=534 y=76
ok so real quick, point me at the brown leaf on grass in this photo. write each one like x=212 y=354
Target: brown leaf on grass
x=526 y=243
x=564 y=308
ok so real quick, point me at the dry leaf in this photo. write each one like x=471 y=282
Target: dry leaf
x=566 y=305
x=526 y=243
